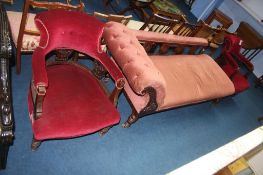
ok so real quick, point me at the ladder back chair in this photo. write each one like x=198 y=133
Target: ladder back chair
x=138 y=6
x=25 y=35
x=116 y=18
x=159 y=24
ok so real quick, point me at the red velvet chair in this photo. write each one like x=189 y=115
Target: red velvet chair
x=229 y=60
x=65 y=99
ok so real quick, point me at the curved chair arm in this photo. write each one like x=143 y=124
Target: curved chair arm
x=39 y=69
x=111 y=67
x=39 y=81
x=116 y=75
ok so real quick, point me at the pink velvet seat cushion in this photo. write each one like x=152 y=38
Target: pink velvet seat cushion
x=30 y=42
x=74 y=105
x=192 y=79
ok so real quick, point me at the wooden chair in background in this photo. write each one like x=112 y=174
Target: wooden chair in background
x=9 y=1
x=252 y=40
x=215 y=36
x=220 y=17
x=25 y=35
x=116 y=18
x=159 y=24
x=138 y=6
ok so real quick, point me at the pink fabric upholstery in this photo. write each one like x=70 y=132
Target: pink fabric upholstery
x=178 y=79
x=133 y=60
x=138 y=101
x=30 y=42
x=169 y=38
x=192 y=79
x=74 y=105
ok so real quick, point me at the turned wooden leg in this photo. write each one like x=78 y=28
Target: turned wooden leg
x=216 y=101
x=35 y=144
x=132 y=119
x=3 y=155
x=104 y=130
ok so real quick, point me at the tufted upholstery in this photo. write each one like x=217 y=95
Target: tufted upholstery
x=178 y=79
x=134 y=61
x=30 y=42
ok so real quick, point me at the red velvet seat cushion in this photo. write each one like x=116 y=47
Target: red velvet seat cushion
x=74 y=105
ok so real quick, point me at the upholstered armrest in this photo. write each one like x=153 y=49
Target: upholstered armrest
x=39 y=68
x=132 y=59
x=168 y=38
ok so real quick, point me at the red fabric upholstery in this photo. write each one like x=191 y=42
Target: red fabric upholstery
x=232 y=47
x=69 y=29
x=228 y=69
x=240 y=82
x=74 y=105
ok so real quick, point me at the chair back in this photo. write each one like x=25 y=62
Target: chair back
x=39 y=5
x=186 y=29
x=69 y=32
x=212 y=34
x=43 y=5
x=116 y=18
x=161 y=24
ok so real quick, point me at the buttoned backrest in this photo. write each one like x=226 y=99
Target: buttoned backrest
x=134 y=62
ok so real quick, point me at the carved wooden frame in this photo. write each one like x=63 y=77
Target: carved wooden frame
x=6 y=117
x=151 y=107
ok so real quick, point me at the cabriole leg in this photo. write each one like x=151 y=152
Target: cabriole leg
x=132 y=119
x=35 y=144
x=104 y=130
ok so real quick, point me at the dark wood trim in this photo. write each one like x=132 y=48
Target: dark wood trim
x=6 y=117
